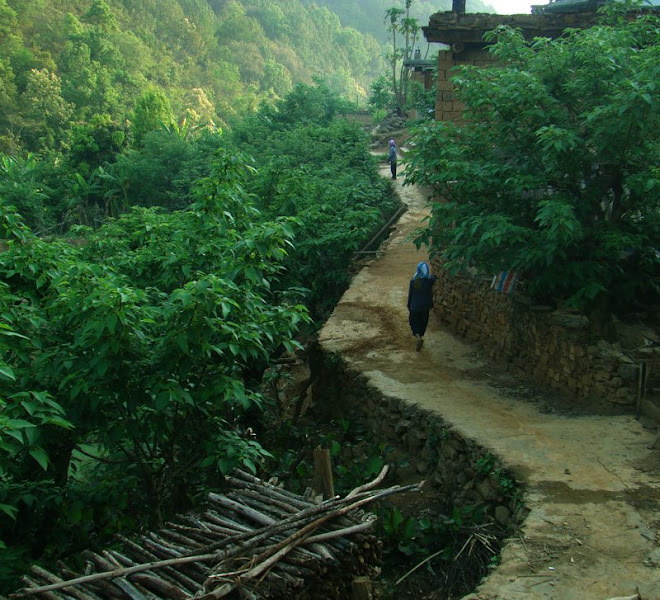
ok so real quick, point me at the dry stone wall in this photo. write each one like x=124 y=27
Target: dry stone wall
x=555 y=348
x=423 y=446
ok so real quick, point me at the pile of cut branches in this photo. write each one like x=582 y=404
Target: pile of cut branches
x=254 y=540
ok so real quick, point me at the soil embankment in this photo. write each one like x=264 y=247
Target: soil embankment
x=593 y=483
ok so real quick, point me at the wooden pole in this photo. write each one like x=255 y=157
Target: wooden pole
x=362 y=588
x=323 y=470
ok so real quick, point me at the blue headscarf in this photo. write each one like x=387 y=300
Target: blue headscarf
x=392 y=143
x=423 y=271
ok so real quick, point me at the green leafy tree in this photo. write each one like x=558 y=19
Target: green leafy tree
x=21 y=187
x=163 y=170
x=101 y=16
x=399 y=21
x=152 y=334
x=95 y=144
x=317 y=168
x=381 y=93
x=153 y=111
x=555 y=171
x=307 y=104
x=46 y=109
x=106 y=54
x=28 y=419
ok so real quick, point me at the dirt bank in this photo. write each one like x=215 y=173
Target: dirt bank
x=593 y=484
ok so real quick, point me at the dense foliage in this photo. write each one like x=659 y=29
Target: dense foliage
x=324 y=175
x=146 y=335
x=159 y=249
x=555 y=172
x=133 y=344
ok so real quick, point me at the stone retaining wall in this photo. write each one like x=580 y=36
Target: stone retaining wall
x=461 y=472
x=554 y=348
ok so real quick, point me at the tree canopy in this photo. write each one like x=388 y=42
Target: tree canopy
x=554 y=172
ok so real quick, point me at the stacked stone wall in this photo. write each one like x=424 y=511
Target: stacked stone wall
x=553 y=347
x=422 y=445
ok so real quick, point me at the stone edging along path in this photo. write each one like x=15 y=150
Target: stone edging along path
x=592 y=482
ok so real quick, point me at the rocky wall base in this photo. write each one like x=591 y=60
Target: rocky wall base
x=424 y=446
x=557 y=349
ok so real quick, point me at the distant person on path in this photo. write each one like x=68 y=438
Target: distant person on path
x=392 y=158
x=420 y=301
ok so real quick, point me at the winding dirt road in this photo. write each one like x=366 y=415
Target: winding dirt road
x=593 y=485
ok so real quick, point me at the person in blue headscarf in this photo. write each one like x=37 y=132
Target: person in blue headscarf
x=420 y=301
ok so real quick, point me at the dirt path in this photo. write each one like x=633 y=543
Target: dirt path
x=593 y=485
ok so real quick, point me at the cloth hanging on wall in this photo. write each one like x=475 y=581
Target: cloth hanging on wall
x=504 y=282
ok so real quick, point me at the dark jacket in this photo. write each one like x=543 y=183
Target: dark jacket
x=392 y=156
x=420 y=294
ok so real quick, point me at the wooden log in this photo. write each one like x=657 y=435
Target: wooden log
x=123 y=572
x=50 y=578
x=109 y=565
x=263 y=505
x=89 y=592
x=308 y=519
x=323 y=473
x=165 y=550
x=161 y=551
x=266 y=560
x=334 y=508
x=176 y=547
x=370 y=485
x=115 y=564
x=160 y=587
x=285 y=502
x=162 y=574
x=215 y=519
x=324 y=551
x=130 y=590
x=248 y=477
x=362 y=588
x=195 y=521
x=141 y=556
x=101 y=563
x=219 y=531
x=33 y=585
x=205 y=536
x=178 y=538
x=299 y=571
x=271 y=500
x=329 y=535
x=240 y=509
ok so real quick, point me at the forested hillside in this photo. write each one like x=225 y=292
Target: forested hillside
x=62 y=62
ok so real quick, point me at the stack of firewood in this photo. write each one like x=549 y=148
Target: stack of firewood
x=254 y=540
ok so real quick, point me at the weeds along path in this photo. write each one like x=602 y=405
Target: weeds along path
x=593 y=485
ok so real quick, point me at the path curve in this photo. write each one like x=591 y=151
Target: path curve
x=593 y=485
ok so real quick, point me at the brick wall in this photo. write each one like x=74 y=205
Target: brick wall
x=447 y=108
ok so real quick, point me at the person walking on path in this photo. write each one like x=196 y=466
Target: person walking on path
x=392 y=158
x=420 y=302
